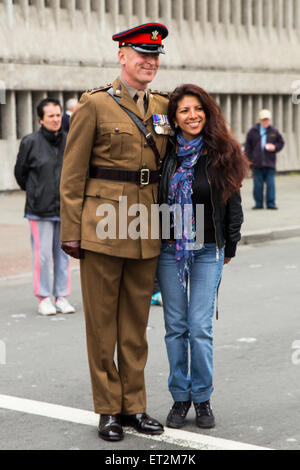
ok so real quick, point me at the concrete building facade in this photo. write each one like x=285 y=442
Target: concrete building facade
x=244 y=52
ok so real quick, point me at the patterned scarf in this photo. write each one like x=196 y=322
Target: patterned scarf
x=180 y=193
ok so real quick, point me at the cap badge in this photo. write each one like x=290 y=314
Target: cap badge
x=154 y=35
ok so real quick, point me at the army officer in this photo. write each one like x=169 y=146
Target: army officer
x=117 y=270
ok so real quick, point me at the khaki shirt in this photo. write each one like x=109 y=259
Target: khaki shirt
x=102 y=134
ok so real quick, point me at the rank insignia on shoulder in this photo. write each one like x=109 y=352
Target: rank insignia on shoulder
x=100 y=88
x=161 y=124
x=161 y=93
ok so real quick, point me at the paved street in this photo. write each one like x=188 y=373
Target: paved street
x=257 y=392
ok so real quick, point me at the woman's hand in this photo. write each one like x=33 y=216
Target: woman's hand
x=227 y=260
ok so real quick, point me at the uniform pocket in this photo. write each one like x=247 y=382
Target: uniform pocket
x=104 y=189
x=120 y=135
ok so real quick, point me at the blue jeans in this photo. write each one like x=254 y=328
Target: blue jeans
x=260 y=177
x=188 y=321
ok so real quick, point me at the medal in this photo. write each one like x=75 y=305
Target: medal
x=161 y=124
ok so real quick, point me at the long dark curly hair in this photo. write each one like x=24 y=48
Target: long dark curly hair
x=229 y=164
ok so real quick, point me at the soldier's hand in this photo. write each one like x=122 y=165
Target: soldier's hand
x=73 y=249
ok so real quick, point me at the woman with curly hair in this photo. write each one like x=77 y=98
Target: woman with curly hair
x=204 y=166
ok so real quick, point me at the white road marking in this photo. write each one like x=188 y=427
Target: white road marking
x=171 y=436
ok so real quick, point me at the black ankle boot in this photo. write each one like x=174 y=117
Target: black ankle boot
x=177 y=414
x=204 y=415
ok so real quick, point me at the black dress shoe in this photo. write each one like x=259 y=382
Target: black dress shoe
x=110 y=428
x=143 y=423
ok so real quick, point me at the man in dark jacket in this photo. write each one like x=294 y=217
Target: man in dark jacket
x=37 y=171
x=71 y=106
x=263 y=141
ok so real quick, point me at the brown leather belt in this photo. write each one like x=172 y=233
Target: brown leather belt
x=142 y=177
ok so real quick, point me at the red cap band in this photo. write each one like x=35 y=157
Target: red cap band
x=142 y=38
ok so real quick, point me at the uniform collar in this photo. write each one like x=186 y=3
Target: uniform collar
x=131 y=89
x=121 y=91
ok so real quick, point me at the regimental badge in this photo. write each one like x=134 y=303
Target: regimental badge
x=161 y=124
x=154 y=36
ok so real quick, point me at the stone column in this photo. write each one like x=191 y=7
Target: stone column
x=214 y=13
x=288 y=114
x=202 y=12
x=289 y=20
x=237 y=116
x=258 y=17
x=141 y=11
x=40 y=7
x=226 y=108
x=257 y=106
x=297 y=17
x=128 y=8
x=86 y=11
x=268 y=14
x=296 y=112
x=9 y=119
x=225 y=15
x=99 y=6
x=248 y=17
x=9 y=13
x=55 y=7
x=37 y=97
x=279 y=17
x=217 y=98
x=114 y=10
x=248 y=113
x=178 y=10
x=190 y=10
x=167 y=12
x=25 y=12
x=268 y=102
x=153 y=10
x=24 y=113
x=58 y=95
x=236 y=15
x=278 y=112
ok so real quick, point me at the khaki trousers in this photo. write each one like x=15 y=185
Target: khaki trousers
x=116 y=298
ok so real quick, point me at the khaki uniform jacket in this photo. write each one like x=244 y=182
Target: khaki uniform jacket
x=102 y=134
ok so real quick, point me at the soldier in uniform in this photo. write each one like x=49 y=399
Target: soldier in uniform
x=117 y=270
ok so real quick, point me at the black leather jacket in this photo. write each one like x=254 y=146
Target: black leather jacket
x=227 y=218
x=38 y=170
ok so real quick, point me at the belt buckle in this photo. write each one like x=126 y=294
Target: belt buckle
x=144 y=176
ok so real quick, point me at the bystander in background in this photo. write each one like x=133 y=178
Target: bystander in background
x=37 y=171
x=262 y=144
x=70 y=108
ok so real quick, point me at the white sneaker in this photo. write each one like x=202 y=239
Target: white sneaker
x=46 y=307
x=64 y=306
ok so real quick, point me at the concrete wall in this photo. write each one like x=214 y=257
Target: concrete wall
x=244 y=52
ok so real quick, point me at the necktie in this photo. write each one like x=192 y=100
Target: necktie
x=140 y=102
